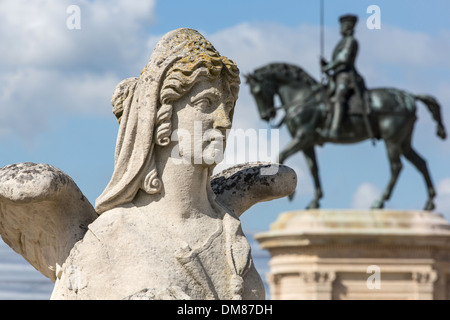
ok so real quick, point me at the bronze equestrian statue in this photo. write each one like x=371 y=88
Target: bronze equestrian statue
x=386 y=114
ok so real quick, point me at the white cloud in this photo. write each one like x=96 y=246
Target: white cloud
x=35 y=32
x=365 y=196
x=50 y=69
x=253 y=45
x=404 y=48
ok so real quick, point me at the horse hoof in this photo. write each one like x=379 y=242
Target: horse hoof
x=313 y=205
x=377 y=205
x=429 y=206
x=291 y=196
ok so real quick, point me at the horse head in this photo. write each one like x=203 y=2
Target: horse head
x=263 y=91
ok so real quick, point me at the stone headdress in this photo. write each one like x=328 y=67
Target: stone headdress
x=137 y=107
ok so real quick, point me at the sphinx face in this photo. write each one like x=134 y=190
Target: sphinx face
x=202 y=119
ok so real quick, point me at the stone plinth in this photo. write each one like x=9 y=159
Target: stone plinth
x=358 y=254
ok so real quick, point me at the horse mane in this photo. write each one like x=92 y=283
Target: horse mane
x=285 y=71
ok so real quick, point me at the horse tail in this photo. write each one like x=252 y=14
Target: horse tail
x=435 y=110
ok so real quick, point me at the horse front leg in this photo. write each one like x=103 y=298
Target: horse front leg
x=301 y=142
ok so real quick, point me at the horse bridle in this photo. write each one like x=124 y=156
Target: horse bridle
x=307 y=104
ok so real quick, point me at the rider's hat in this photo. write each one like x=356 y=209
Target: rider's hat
x=348 y=18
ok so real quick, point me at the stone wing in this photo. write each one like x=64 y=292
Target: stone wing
x=42 y=214
x=240 y=187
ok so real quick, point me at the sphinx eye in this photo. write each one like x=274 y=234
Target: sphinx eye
x=202 y=103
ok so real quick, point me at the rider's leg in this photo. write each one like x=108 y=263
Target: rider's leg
x=337 y=119
x=338 y=112
x=341 y=95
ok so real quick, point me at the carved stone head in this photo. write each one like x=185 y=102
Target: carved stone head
x=185 y=74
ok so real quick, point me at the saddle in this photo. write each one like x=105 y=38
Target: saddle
x=358 y=103
x=355 y=105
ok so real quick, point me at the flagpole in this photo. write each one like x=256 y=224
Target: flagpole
x=322 y=41
x=322 y=35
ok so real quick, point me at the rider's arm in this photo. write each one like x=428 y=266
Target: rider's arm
x=344 y=57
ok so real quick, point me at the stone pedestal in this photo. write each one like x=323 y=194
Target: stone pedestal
x=358 y=254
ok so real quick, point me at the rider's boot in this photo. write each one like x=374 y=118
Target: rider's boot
x=337 y=119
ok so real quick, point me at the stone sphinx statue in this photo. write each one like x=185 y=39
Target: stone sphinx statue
x=163 y=228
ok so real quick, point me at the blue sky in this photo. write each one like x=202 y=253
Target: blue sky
x=56 y=84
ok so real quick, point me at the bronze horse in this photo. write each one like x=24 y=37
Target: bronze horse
x=392 y=117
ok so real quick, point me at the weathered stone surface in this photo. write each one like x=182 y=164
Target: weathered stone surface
x=243 y=185
x=42 y=214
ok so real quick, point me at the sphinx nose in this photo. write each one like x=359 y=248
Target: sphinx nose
x=222 y=118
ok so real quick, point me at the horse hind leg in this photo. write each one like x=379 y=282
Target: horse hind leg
x=396 y=167
x=421 y=166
